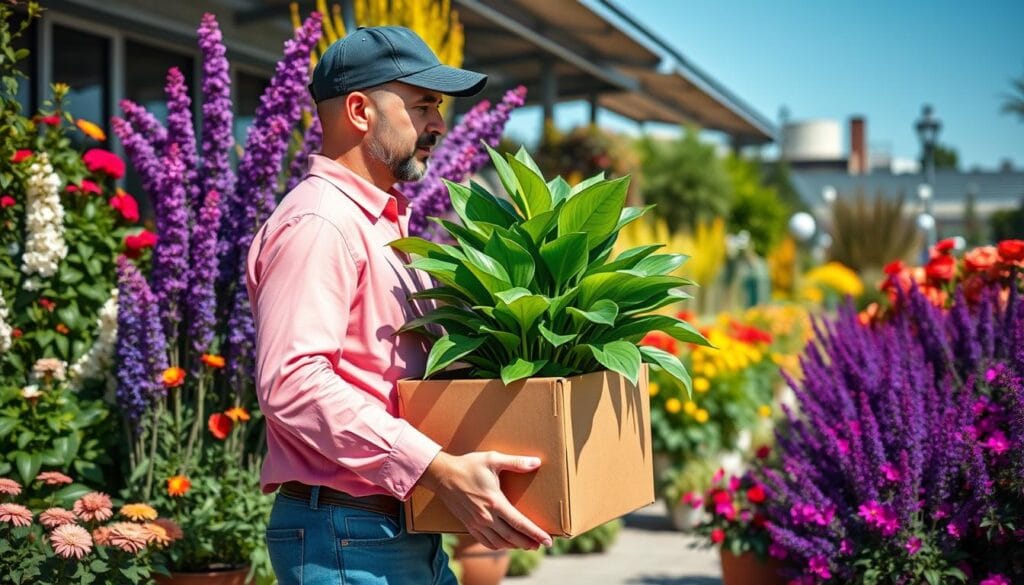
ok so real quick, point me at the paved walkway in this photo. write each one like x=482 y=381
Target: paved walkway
x=648 y=552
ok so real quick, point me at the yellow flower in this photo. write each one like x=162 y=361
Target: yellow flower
x=764 y=411
x=701 y=415
x=173 y=377
x=690 y=407
x=214 y=361
x=710 y=371
x=178 y=485
x=91 y=130
x=673 y=405
x=237 y=413
x=653 y=389
x=138 y=512
x=701 y=384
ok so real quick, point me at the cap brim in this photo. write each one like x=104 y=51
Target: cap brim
x=448 y=80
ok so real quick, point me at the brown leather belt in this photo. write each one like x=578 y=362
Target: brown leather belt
x=377 y=503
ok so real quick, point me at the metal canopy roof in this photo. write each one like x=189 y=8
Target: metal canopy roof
x=514 y=41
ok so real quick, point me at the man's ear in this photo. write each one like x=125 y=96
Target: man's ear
x=359 y=109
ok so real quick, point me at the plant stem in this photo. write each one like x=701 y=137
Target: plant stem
x=195 y=425
x=152 y=448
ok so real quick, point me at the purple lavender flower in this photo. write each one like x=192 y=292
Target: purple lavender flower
x=146 y=123
x=218 y=139
x=312 y=139
x=201 y=300
x=170 y=257
x=459 y=156
x=181 y=132
x=141 y=154
x=141 y=348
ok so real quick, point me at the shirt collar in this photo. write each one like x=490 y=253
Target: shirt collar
x=390 y=204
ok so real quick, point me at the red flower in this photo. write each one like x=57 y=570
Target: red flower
x=47 y=304
x=16 y=333
x=126 y=204
x=943 y=247
x=685 y=315
x=220 y=425
x=894 y=267
x=1011 y=251
x=764 y=451
x=759 y=521
x=981 y=259
x=7 y=201
x=941 y=268
x=53 y=120
x=62 y=329
x=660 y=340
x=756 y=494
x=98 y=160
x=20 y=155
x=717 y=535
x=134 y=245
x=86 y=187
x=720 y=496
x=749 y=334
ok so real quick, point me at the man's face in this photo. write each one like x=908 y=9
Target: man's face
x=406 y=129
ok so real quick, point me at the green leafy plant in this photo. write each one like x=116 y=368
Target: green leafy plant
x=596 y=540
x=522 y=562
x=530 y=288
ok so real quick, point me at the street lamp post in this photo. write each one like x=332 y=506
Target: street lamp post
x=928 y=127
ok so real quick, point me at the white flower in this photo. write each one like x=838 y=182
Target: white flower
x=31 y=392
x=97 y=363
x=44 y=221
x=5 y=328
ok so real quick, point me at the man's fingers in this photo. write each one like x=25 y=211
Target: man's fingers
x=516 y=463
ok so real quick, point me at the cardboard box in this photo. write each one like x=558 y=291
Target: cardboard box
x=592 y=433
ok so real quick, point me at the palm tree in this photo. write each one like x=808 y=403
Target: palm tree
x=1013 y=102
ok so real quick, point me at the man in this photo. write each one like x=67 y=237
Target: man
x=328 y=294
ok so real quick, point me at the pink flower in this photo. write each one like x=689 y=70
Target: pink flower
x=880 y=516
x=126 y=205
x=87 y=186
x=819 y=566
x=94 y=507
x=128 y=536
x=845 y=547
x=913 y=545
x=997 y=443
x=953 y=529
x=53 y=478
x=843 y=445
x=70 y=541
x=995 y=579
x=9 y=487
x=20 y=155
x=777 y=552
x=7 y=201
x=51 y=120
x=734 y=483
x=718 y=475
x=98 y=160
x=891 y=472
x=717 y=535
x=55 y=517
x=15 y=514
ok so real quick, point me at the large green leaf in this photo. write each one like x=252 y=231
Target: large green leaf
x=487 y=270
x=659 y=264
x=508 y=179
x=474 y=206
x=669 y=363
x=582 y=185
x=635 y=329
x=448 y=350
x=420 y=247
x=565 y=257
x=539 y=227
x=520 y=369
x=501 y=202
x=523 y=156
x=69 y=493
x=447 y=294
x=625 y=260
x=631 y=214
x=603 y=312
x=535 y=190
x=594 y=211
x=658 y=301
x=559 y=303
x=604 y=285
x=67 y=447
x=553 y=338
x=621 y=357
x=517 y=261
x=525 y=310
x=7 y=425
x=457 y=276
x=28 y=465
x=452 y=319
x=559 y=190
x=460 y=232
x=509 y=341
x=510 y=295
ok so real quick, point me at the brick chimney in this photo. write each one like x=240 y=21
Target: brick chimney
x=858 y=162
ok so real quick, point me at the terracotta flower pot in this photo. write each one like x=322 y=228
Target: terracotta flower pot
x=480 y=565
x=224 y=577
x=747 y=569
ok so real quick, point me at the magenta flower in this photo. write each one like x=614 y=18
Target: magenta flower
x=995 y=579
x=819 y=566
x=891 y=472
x=997 y=443
x=913 y=545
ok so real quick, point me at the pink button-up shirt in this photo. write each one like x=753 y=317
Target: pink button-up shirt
x=327 y=295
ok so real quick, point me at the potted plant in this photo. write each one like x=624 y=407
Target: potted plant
x=736 y=523
x=541 y=315
x=684 y=493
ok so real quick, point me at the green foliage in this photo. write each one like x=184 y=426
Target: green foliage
x=523 y=562
x=529 y=289
x=596 y=540
x=946 y=157
x=1008 y=224
x=756 y=207
x=1013 y=102
x=59 y=430
x=868 y=234
x=685 y=179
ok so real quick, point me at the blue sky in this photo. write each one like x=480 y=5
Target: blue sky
x=833 y=59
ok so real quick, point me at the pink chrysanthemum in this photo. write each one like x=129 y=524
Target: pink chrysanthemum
x=15 y=514
x=174 y=532
x=9 y=487
x=101 y=536
x=94 y=507
x=155 y=534
x=53 y=478
x=55 y=517
x=70 y=541
x=128 y=536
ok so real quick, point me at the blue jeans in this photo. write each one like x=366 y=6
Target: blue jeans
x=317 y=544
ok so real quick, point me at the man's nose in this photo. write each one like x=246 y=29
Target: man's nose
x=436 y=124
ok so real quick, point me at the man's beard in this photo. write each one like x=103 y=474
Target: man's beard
x=403 y=168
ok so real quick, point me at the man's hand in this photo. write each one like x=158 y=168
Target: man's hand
x=469 y=487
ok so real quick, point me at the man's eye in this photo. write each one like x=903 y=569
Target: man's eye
x=423 y=109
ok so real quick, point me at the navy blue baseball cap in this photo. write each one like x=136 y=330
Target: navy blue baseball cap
x=371 y=56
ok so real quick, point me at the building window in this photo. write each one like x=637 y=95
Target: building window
x=26 y=85
x=82 y=61
x=145 y=75
x=248 y=91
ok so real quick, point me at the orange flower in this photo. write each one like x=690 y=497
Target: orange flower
x=220 y=425
x=237 y=413
x=91 y=130
x=62 y=329
x=138 y=512
x=214 y=361
x=171 y=527
x=178 y=485
x=174 y=377
x=981 y=259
